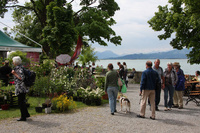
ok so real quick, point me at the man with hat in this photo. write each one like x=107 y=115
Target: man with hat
x=4 y=73
x=179 y=87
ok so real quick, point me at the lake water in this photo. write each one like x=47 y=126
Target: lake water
x=139 y=64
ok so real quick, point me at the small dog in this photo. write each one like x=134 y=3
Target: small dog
x=125 y=102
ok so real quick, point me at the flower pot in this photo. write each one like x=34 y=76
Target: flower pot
x=27 y=105
x=48 y=110
x=38 y=109
x=87 y=101
x=5 y=106
x=75 y=98
x=98 y=102
x=44 y=105
x=105 y=96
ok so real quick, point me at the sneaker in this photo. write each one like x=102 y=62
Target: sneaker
x=169 y=109
x=166 y=109
x=115 y=110
x=112 y=113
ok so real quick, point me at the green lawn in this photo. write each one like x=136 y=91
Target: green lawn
x=15 y=112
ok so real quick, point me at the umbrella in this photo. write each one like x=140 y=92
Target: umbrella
x=63 y=58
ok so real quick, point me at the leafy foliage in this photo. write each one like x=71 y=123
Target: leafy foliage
x=182 y=18
x=55 y=25
x=87 y=55
x=22 y=55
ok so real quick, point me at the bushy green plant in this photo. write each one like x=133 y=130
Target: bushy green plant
x=99 y=69
x=84 y=78
x=22 y=55
x=100 y=81
x=44 y=68
x=62 y=79
x=41 y=86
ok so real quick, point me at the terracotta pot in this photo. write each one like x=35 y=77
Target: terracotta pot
x=5 y=106
x=105 y=96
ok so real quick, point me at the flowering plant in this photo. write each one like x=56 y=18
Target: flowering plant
x=99 y=69
x=62 y=102
x=62 y=79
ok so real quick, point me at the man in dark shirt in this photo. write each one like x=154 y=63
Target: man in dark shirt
x=149 y=80
x=4 y=73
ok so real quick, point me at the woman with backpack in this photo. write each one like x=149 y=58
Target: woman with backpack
x=20 y=88
x=171 y=79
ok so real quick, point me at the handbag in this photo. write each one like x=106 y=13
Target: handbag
x=119 y=82
x=124 y=89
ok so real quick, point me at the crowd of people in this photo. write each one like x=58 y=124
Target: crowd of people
x=153 y=80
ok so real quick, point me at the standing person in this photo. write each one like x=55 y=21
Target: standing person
x=170 y=82
x=111 y=87
x=93 y=67
x=118 y=63
x=20 y=88
x=4 y=73
x=159 y=70
x=132 y=73
x=149 y=80
x=121 y=72
x=180 y=86
x=125 y=73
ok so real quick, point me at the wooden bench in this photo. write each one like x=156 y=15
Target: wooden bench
x=194 y=96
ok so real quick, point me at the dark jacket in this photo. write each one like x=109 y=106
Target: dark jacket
x=180 y=85
x=149 y=79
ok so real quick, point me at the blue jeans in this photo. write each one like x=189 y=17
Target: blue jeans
x=112 y=95
x=168 y=89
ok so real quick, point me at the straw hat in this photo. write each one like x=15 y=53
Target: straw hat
x=176 y=64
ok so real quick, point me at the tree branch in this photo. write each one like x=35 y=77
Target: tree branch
x=19 y=6
x=34 y=8
x=71 y=1
x=86 y=6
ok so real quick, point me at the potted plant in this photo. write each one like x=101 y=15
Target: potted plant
x=5 y=106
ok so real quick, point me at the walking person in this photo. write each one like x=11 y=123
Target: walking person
x=20 y=88
x=179 y=87
x=159 y=70
x=125 y=73
x=149 y=80
x=111 y=87
x=170 y=82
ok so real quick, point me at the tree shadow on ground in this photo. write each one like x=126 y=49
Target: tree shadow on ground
x=175 y=122
x=43 y=124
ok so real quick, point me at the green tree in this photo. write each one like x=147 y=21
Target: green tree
x=87 y=55
x=56 y=26
x=181 y=18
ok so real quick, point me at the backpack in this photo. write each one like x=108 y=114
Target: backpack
x=29 y=79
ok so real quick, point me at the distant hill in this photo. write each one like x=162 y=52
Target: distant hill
x=173 y=54
x=106 y=54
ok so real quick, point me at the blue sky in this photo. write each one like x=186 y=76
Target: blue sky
x=131 y=25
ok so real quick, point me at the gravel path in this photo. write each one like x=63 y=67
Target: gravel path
x=98 y=119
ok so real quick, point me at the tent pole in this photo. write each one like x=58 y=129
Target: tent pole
x=25 y=37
